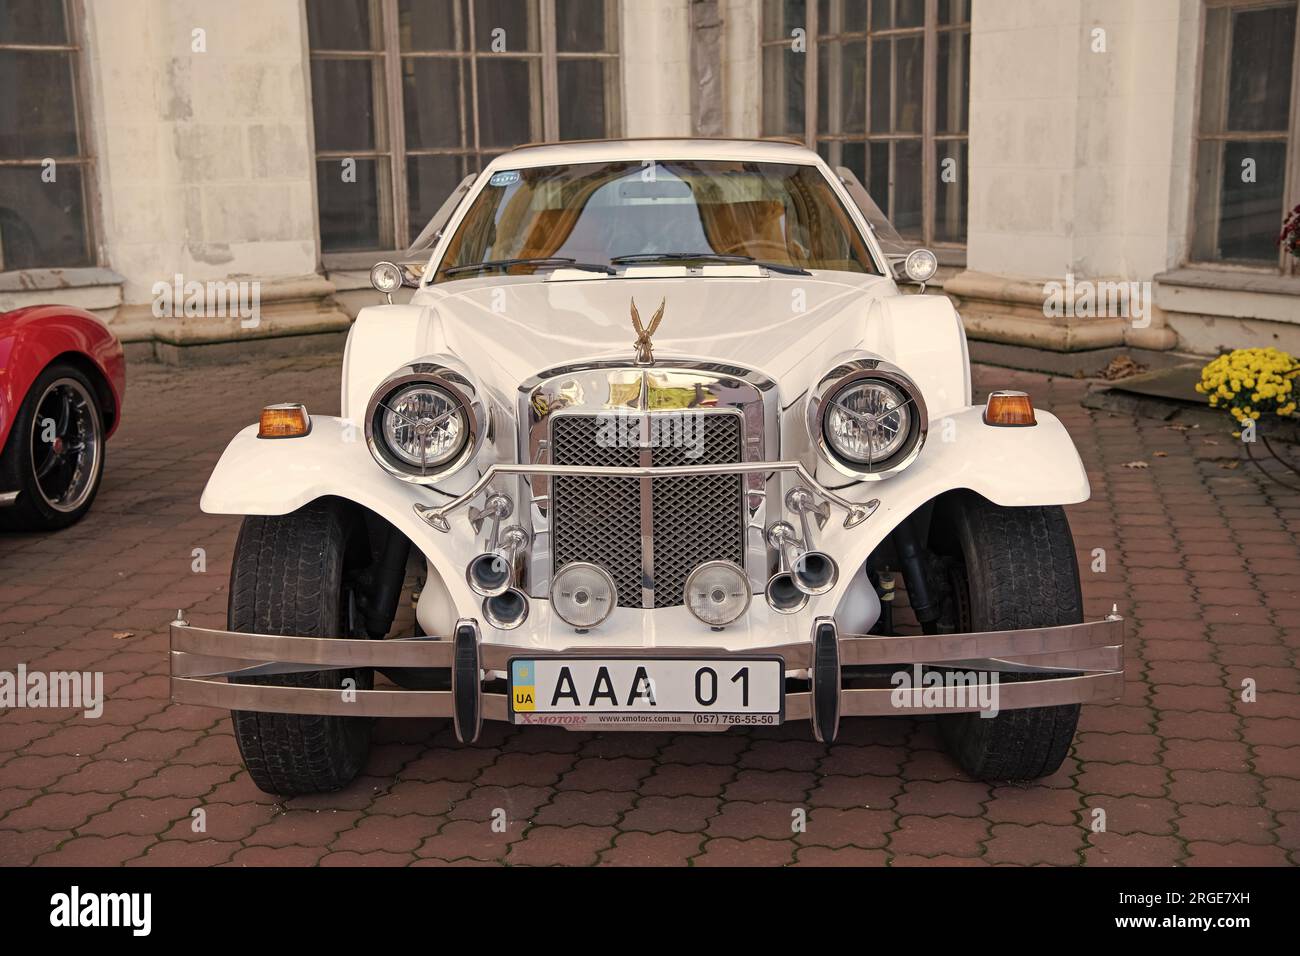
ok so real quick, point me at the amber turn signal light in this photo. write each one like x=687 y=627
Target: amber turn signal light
x=283 y=421
x=1008 y=408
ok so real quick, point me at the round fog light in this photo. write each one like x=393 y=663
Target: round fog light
x=583 y=594
x=717 y=593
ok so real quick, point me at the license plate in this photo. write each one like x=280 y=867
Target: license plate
x=653 y=694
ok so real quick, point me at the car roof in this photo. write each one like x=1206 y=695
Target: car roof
x=594 y=151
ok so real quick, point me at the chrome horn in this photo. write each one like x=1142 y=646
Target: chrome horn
x=782 y=593
x=815 y=572
x=492 y=573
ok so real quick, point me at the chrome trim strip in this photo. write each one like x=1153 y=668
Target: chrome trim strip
x=1092 y=653
x=858 y=511
x=8 y=498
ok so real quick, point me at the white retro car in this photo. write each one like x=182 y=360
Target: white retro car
x=664 y=436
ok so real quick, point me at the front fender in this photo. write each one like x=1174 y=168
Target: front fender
x=1013 y=467
x=258 y=476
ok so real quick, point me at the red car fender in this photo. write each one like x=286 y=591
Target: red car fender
x=31 y=338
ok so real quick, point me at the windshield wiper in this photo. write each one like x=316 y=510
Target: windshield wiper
x=706 y=257
x=503 y=264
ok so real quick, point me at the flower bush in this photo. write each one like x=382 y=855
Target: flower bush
x=1248 y=383
x=1289 y=238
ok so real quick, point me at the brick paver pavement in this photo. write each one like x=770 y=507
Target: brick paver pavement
x=1201 y=557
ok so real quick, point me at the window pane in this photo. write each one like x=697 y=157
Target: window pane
x=952 y=89
x=854 y=156
x=881 y=16
x=432 y=26
x=350 y=211
x=906 y=211
x=950 y=197
x=953 y=12
x=343 y=96
x=509 y=22
x=783 y=86
x=429 y=181
x=583 y=86
x=782 y=17
x=853 y=88
x=854 y=16
x=508 y=112
x=877 y=181
x=909 y=64
x=431 y=98
x=881 y=69
x=37 y=108
x=580 y=26
x=340 y=25
x=1259 y=95
x=32 y=21
x=1248 y=214
x=42 y=225
x=909 y=13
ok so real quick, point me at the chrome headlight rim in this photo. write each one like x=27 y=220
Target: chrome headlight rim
x=851 y=373
x=459 y=387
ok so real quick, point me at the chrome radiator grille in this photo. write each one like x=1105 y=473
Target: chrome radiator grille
x=690 y=520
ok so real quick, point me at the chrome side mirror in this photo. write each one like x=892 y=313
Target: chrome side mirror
x=919 y=265
x=387 y=277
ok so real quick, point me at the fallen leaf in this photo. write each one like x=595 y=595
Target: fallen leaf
x=1161 y=454
x=1136 y=464
x=1230 y=465
x=122 y=635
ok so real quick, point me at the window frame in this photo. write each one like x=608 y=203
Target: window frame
x=1285 y=264
x=85 y=160
x=390 y=140
x=930 y=139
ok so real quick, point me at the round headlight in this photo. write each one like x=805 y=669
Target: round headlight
x=583 y=595
x=423 y=426
x=867 y=419
x=427 y=420
x=717 y=593
x=868 y=422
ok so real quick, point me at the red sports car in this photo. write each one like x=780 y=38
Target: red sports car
x=62 y=379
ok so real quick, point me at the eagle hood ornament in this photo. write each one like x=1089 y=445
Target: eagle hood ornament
x=643 y=344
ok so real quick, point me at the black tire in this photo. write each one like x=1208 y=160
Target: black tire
x=39 y=506
x=291 y=576
x=1019 y=570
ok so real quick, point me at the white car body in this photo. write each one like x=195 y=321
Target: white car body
x=783 y=330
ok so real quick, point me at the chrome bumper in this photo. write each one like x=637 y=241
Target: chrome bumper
x=1075 y=663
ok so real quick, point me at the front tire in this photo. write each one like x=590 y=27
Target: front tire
x=1012 y=568
x=291 y=575
x=54 y=457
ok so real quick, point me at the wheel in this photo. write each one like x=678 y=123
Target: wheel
x=292 y=574
x=54 y=457
x=1011 y=568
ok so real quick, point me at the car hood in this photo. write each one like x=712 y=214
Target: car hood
x=778 y=325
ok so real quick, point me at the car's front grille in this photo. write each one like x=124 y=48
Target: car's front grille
x=696 y=518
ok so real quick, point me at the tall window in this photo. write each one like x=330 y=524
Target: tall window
x=45 y=166
x=411 y=96
x=882 y=87
x=1248 y=145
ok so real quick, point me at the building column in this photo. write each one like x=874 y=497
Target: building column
x=1078 y=178
x=201 y=125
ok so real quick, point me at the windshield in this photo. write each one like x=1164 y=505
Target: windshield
x=626 y=213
